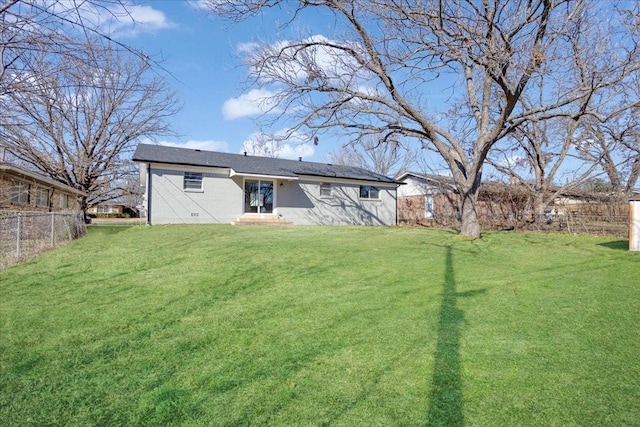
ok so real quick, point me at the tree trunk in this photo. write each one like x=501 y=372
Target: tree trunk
x=539 y=206
x=469 y=216
x=83 y=205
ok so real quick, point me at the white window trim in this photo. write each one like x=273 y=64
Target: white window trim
x=39 y=193
x=20 y=189
x=326 y=185
x=192 y=180
x=369 y=198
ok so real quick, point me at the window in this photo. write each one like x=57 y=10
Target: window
x=325 y=189
x=42 y=197
x=103 y=209
x=192 y=181
x=369 y=192
x=428 y=206
x=20 y=192
x=64 y=201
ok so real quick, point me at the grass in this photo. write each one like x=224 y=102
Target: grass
x=222 y=325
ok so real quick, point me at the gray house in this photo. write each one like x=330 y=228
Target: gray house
x=196 y=186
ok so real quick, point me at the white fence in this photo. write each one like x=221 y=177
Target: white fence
x=26 y=234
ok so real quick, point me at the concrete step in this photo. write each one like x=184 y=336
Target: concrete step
x=270 y=220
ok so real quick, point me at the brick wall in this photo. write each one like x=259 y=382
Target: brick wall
x=52 y=203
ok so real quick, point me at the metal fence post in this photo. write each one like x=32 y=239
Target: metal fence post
x=53 y=238
x=18 y=236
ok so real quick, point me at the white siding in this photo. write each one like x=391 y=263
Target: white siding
x=300 y=202
x=219 y=201
x=416 y=187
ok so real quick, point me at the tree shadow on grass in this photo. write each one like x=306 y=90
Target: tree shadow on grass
x=446 y=403
x=620 y=245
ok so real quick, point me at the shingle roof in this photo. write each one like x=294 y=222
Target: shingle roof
x=252 y=164
x=27 y=174
x=437 y=179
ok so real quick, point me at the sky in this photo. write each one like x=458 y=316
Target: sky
x=198 y=56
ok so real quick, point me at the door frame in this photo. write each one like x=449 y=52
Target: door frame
x=245 y=198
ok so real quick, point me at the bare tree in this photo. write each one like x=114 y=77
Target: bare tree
x=613 y=142
x=536 y=158
x=560 y=149
x=76 y=120
x=263 y=145
x=450 y=75
x=57 y=28
x=384 y=157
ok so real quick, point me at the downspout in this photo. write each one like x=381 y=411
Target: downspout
x=396 y=200
x=148 y=191
x=51 y=198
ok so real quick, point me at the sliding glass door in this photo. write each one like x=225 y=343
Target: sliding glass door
x=258 y=196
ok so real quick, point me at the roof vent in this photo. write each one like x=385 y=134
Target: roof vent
x=299 y=159
x=245 y=154
x=198 y=150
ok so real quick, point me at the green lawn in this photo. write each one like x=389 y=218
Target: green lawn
x=222 y=325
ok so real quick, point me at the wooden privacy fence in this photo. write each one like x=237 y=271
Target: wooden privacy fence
x=26 y=234
x=595 y=218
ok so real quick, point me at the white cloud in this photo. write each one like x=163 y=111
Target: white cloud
x=208 y=145
x=149 y=18
x=124 y=19
x=247 y=47
x=288 y=151
x=318 y=60
x=255 y=102
x=512 y=162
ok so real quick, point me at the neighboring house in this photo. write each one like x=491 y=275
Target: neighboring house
x=22 y=190
x=195 y=186
x=426 y=199
x=106 y=208
x=432 y=200
x=112 y=208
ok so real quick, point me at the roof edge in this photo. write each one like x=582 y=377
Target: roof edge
x=7 y=167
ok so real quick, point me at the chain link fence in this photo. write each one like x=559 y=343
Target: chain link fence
x=26 y=234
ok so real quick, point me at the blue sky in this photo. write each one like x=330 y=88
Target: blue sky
x=201 y=65
x=200 y=62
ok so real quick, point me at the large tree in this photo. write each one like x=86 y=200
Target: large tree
x=77 y=119
x=449 y=74
x=537 y=158
x=615 y=147
x=562 y=148
x=74 y=99
x=612 y=139
x=56 y=28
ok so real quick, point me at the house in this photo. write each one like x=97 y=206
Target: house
x=433 y=200
x=112 y=208
x=429 y=199
x=196 y=186
x=426 y=199
x=22 y=190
